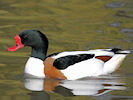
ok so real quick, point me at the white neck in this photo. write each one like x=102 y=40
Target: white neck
x=35 y=67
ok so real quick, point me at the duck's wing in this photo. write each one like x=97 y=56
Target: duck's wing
x=64 y=62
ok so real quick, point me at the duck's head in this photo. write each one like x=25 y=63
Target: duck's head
x=33 y=38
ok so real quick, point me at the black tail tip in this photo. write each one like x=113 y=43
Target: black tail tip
x=116 y=50
x=120 y=51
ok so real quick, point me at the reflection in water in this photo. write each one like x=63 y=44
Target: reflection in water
x=35 y=95
x=88 y=86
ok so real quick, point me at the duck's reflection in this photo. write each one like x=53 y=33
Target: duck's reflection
x=87 y=86
x=39 y=95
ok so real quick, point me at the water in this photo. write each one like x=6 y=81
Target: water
x=69 y=25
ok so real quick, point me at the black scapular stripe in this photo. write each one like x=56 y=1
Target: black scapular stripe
x=64 y=62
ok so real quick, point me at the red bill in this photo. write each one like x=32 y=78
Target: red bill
x=18 y=44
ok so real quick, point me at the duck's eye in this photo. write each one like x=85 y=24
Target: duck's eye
x=25 y=37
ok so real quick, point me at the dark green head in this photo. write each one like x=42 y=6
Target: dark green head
x=35 y=39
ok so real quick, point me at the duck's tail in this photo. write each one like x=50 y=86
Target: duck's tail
x=114 y=63
x=120 y=51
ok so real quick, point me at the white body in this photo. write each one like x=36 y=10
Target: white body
x=93 y=67
x=90 y=67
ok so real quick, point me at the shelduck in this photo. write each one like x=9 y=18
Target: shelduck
x=69 y=65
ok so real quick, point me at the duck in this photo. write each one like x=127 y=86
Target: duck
x=70 y=65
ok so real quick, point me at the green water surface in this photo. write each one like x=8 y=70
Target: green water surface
x=69 y=25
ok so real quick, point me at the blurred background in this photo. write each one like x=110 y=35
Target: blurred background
x=69 y=25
